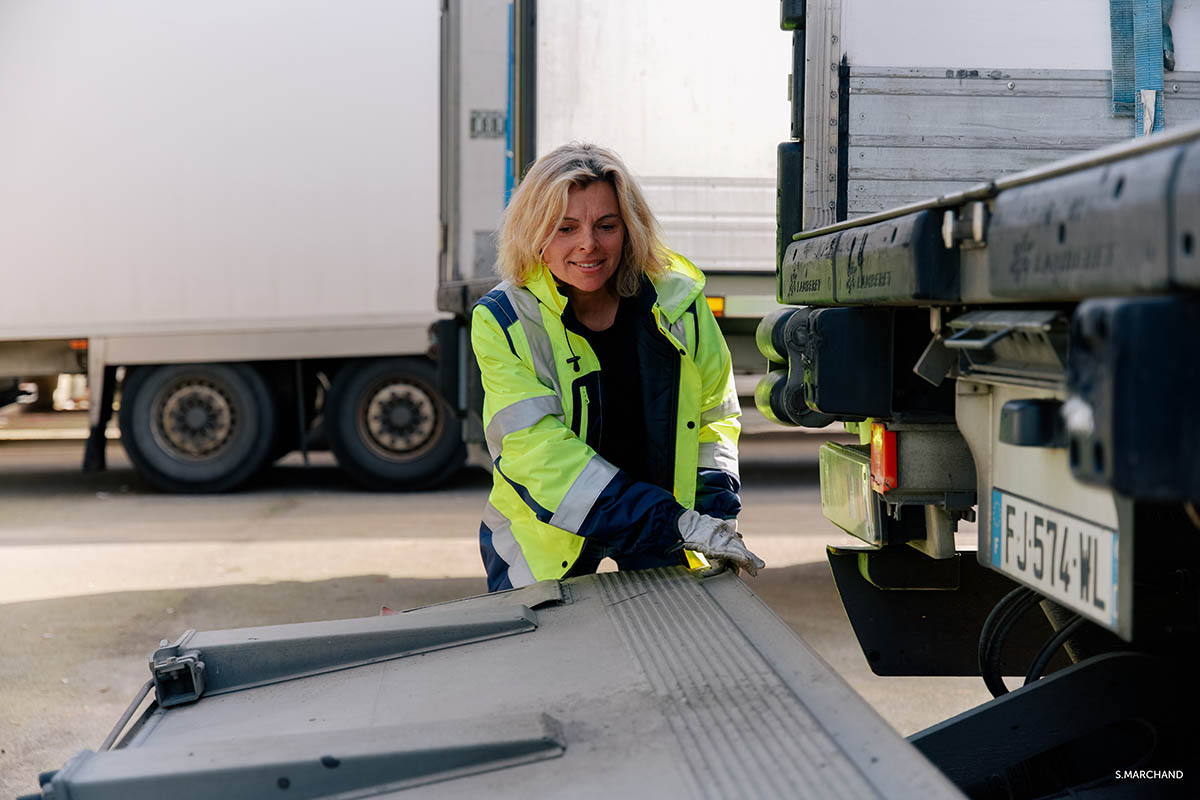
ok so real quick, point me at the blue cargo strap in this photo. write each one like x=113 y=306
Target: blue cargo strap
x=1137 y=28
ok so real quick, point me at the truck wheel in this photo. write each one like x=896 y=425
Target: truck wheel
x=389 y=426
x=197 y=427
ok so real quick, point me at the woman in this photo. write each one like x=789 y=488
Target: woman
x=609 y=404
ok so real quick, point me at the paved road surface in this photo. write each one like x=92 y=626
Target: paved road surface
x=95 y=569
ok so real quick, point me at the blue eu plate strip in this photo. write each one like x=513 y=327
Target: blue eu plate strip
x=996 y=517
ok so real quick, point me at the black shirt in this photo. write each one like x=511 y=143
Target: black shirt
x=622 y=408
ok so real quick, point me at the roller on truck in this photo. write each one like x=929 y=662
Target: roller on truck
x=987 y=237
x=236 y=221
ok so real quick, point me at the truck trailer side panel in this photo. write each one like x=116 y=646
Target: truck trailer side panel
x=198 y=165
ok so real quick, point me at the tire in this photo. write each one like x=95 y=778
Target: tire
x=197 y=427
x=389 y=427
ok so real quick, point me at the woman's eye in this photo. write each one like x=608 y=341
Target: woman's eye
x=564 y=229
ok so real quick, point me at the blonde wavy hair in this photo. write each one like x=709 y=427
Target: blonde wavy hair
x=537 y=207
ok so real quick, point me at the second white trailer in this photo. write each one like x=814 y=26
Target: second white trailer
x=243 y=207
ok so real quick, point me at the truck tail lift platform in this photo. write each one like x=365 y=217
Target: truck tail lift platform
x=660 y=683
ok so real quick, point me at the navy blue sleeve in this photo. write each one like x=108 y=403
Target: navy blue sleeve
x=717 y=494
x=634 y=517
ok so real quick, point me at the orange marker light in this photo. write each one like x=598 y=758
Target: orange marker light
x=78 y=344
x=717 y=304
x=883 y=458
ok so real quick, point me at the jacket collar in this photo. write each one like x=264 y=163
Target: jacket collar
x=676 y=288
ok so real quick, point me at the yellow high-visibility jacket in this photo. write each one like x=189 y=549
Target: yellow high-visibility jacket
x=541 y=412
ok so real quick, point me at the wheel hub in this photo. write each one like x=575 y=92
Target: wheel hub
x=197 y=418
x=400 y=417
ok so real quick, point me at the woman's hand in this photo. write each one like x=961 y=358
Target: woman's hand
x=717 y=539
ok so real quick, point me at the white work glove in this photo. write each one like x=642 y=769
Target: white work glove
x=717 y=539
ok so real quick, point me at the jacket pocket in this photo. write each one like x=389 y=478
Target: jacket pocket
x=586 y=419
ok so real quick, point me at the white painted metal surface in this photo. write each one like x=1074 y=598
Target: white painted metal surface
x=720 y=223
x=1041 y=478
x=279 y=340
x=692 y=95
x=196 y=166
x=1024 y=34
x=481 y=152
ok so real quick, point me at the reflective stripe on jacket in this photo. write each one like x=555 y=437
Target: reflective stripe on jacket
x=541 y=417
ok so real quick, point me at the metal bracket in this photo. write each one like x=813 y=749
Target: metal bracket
x=976 y=339
x=968 y=230
x=215 y=662
x=939 y=534
x=360 y=762
x=1027 y=344
x=178 y=673
x=936 y=361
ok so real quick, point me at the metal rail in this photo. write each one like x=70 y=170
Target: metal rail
x=128 y=715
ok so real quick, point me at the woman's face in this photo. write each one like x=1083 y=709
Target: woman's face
x=586 y=248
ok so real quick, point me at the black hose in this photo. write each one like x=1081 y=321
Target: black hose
x=1051 y=647
x=985 y=632
x=1003 y=626
x=995 y=628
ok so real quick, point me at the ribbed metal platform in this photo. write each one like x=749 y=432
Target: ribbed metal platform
x=635 y=684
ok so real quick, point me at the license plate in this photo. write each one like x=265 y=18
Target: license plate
x=1064 y=557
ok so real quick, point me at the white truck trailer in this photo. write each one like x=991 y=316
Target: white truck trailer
x=691 y=106
x=238 y=205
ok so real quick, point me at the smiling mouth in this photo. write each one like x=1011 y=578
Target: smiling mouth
x=589 y=264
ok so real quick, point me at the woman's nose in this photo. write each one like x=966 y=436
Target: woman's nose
x=587 y=241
